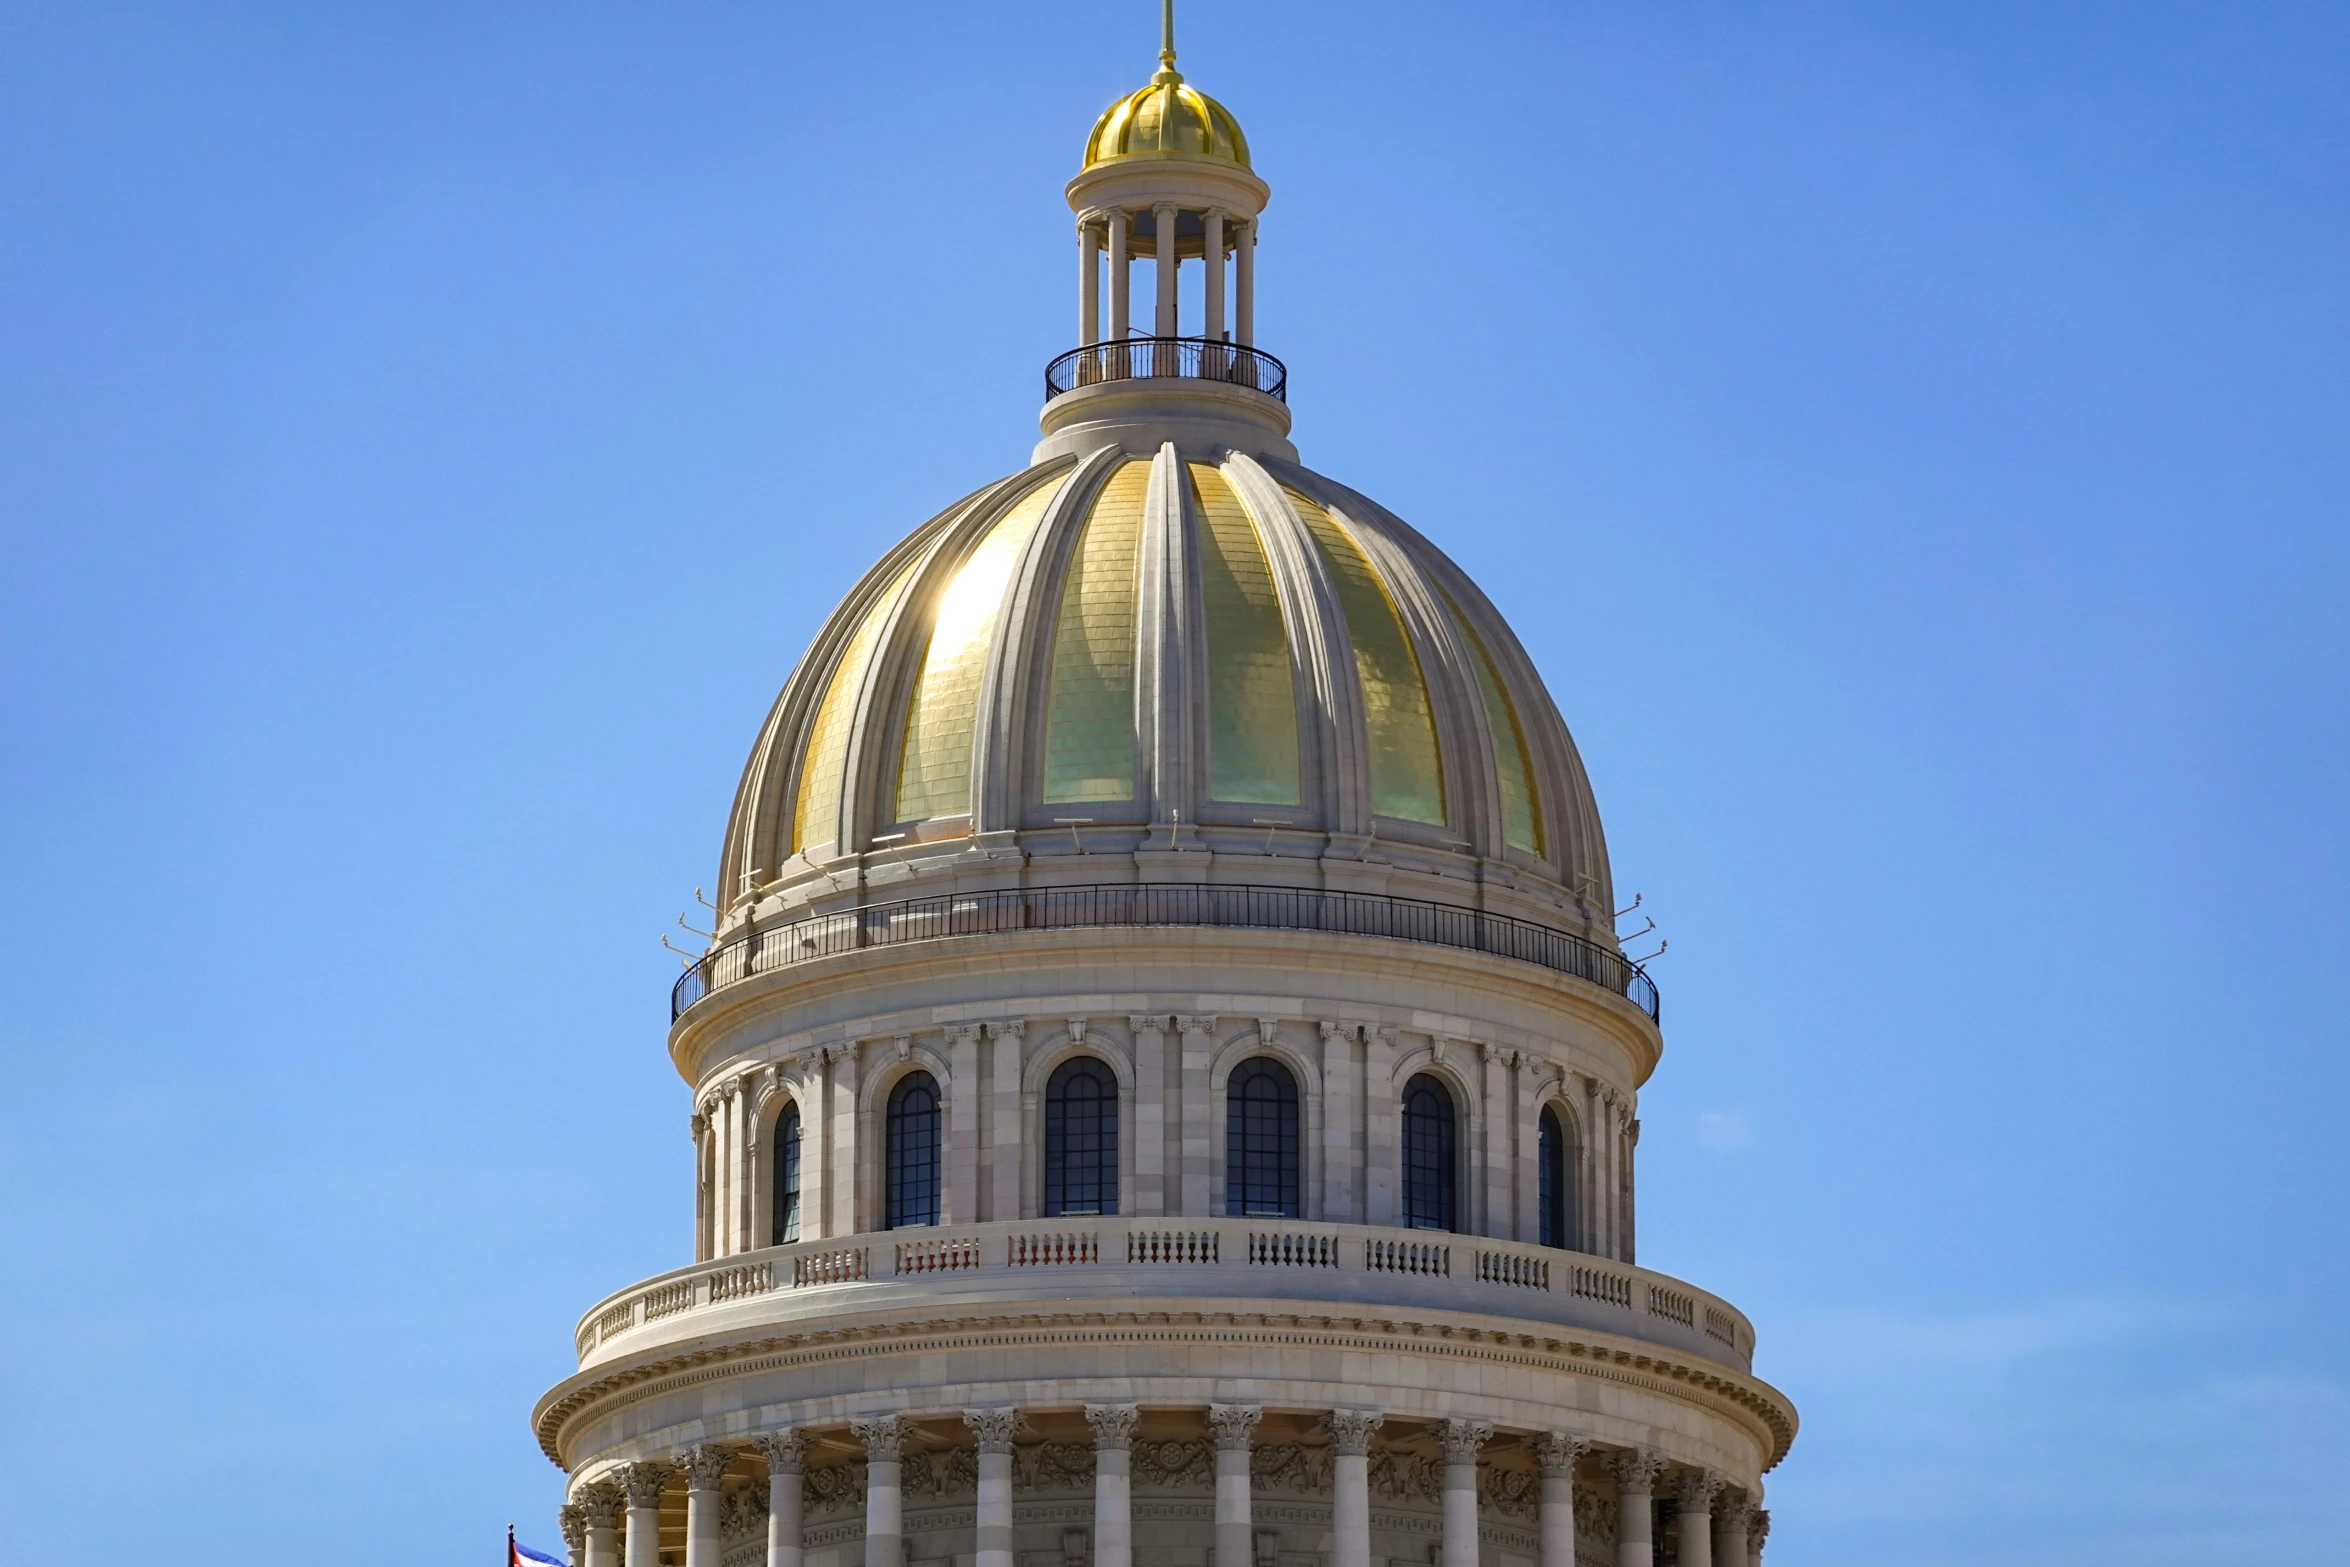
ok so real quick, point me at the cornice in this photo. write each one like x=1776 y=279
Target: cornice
x=1747 y=1402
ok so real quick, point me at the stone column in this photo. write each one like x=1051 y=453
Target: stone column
x=1557 y=1452
x=703 y=1222
x=1197 y=1126
x=705 y=1477
x=571 y=1518
x=1003 y=1119
x=842 y=1175
x=644 y=1484
x=1350 y=1486
x=991 y=1432
x=1089 y=279
x=1495 y=1218
x=599 y=1511
x=1758 y=1529
x=1636 y=1472
x=1163 y=219
x=1461 y=1439
x=1731 y=1512
x=1526 y=1117
x=1121 y=275
x=1234 y=1427
x=1150 y=1115
x=884 y=1437
x=1113 y=1482
x=787 y=1453
x=1244 y=282
x=1212 y=254
x=1695 y=1517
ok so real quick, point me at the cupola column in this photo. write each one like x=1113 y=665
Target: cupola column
x=644 y=1484
x=1557 y=1452
x=1089 y=280
x=1234 y=1427
x=600 y=1502
x=991 y=1517
x=1113 y=1482
x=1212 y=255
x=1121 y=274
x=1244 y=283
x=1350 y=1486
x=1460 y=1440
x=1163 y=219
x=885 y=1529
x=786 y=1499
x=705 y=1474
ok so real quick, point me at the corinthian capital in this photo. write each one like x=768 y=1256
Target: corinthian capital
x=1113 y=1426
x=1234 y=1425
x=1556 y=1451
x=884 y=1437
x=1350 y=1430
x=1697 y=1490
x=1462 y=1438
x=786 y=1451
x=705 y=1466
x=1636 y=1469
x=599 y=1503
x=1758 y=1529
x=571 y=1518
x=645 y=1482
x=992 y=1429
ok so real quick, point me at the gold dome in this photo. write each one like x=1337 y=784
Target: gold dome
x=1168 y=116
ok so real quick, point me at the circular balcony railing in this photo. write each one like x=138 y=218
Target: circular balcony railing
x=1190 y=358
x=949 y=916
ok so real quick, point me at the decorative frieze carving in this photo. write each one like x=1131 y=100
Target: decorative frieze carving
x=1285 y=1466
x=1052 y=1466
x=1595 y=1517
x=1233 y=1426
x=743 y=1512
x=952 y=1472
x=1113 y=1426
x=1406 y=1477
x=1350 y=1429
x=1513 y=1493
x=1174 y=1465
x=834 y=1487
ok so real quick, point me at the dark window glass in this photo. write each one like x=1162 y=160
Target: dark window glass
x=1555 y=1199
x=913 y=1152
x=787 y=1175
x=1427 y=1155
x=1080 y=1139
x=1260 y=1141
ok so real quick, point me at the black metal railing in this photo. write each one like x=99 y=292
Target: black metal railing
x=1151 y=903
x=1194 y=358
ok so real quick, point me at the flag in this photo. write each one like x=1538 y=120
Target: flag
x=524 y=1556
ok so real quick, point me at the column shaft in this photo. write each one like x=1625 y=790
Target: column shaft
x=1498 y=1220
x=1194 y=1128
x=963 y=1101
x=1212 y=258
x=1340 y=1202
x=1113 y=1483
x=992 y=1532
x=1635 y=1499
x=1121 y=276
x=1163 y=219
x=644 y=1483
x=1461 y=1439
x=1350 y=1487
x=1089 y=282
x=1557 y=1452
x=1379 y=1111
x=701 y=1526
x=786 y=1513
x=885 y=1510
x=1003 y=1121
x=1244 y=283
x=1235 y=1427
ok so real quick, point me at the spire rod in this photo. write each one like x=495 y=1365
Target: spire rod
x=1167 y=35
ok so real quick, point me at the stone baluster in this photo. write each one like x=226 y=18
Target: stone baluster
x=1235 y=1427
x=571 y=1518
x=644 y=1484
x=1695 y=1517
x=1350 y=1486
x=1556 y=1451
x=1731 y=1515
x=599 y=1510
x=1636 y=1472
x=1461 y=1439
x=1113 y=1482
x=787 y=1454
x=991 y=1519
x=705 y=1476
x=884 y=1437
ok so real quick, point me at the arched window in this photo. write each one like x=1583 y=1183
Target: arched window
x=787 y=1175
x=912 y=1177
x=1260 y=1141
x=1427 y=1155
x=1080 y=1139
x=1555 y=1196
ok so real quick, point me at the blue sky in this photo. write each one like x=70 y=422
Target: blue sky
x=1911 y=438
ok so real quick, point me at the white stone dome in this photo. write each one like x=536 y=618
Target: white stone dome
x=1193 y=651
